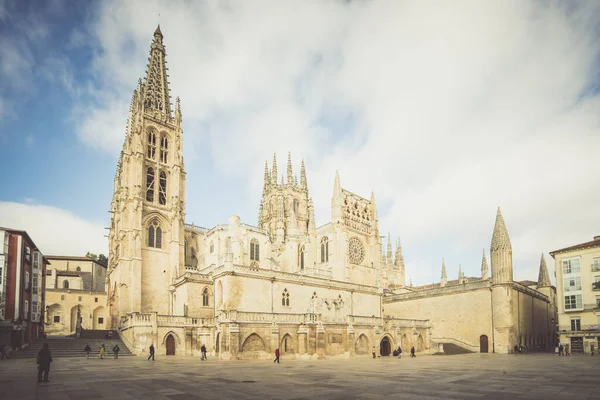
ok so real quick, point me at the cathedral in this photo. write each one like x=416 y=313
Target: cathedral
x=243 y=291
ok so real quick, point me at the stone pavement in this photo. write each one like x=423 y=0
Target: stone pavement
x=469 y=376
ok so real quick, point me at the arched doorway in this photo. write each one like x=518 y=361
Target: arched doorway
x=362 y=345
x=170 y=345
x=420 y=345
x=483 y=344
x=287 y=344
x=385 y=347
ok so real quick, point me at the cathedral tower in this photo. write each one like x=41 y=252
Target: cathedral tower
x=285 y=211
x=147 y=210
x=501 y=252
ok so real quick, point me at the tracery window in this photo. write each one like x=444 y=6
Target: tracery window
x=205 y=297
x=254 y=250
x=151 y=144
x=164 y=146
x=162 y=188
x=301 y=252
x=285 y=298
x=356 y=251
x=325 y=249
x=154 y=235
x=150 y=184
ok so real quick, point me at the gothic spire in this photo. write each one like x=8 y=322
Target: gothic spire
x=290 y=175
x=267 y=178
x=178 y=115
x=444 y=274
x=311 y=216
x=543 y=277
x=389 y=250
x=484 y=267
x=500 y=239
x=156 y=85
x=274 y=170
x=373 y=206
x=303 y=184
x=399 y=262
x=337 y=186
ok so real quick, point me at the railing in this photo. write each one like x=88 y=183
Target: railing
x=595 y=267
x=317 y=272
x=459 y=343
x=195 y=228
x=244 y=316
x=362 y=320
x=595 y=285
x=177 y=320
x=407 y=323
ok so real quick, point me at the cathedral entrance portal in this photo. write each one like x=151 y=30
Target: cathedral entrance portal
x=385 y=347
x=483 y=344
x=170 y=345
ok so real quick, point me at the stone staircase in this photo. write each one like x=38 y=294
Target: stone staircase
x=71 y=346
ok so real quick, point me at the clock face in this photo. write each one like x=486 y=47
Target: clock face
x=356 y=251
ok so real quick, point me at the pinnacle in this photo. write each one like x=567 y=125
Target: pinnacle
x=543 y=277
x=157 y=31
x=500 y=238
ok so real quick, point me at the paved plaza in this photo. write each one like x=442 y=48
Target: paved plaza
x=470 y=376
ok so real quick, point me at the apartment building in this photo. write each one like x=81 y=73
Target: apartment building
x=578 y=291
x=22 y=271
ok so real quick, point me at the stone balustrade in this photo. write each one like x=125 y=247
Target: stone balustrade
x=154 y=319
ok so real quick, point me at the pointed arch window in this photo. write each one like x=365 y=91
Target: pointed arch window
x=285 y=298
x=296 y=206
x=151 y=144
x=254 y=250
x=301 y=255
x=325 y=249
x=162 y=188
x=150 y=184
x=65 y=284
x=205 y=297
x=154 y=235
x=164 y=147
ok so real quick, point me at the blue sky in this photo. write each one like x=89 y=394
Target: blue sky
x=445 y=112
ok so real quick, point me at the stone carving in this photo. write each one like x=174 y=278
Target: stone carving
x=356 y=251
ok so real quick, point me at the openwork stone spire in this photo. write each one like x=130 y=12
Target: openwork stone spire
x=484 y=267
x=399 y=261
x=267 y=178
x=290 y=174
x=274 y=170
x=543 y=277
x=444 y=274
x=303 y=183
x=156 y=86
x=501 y=252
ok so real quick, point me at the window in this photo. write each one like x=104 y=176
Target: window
x=78 y=269
x=162 y=188
x=6 y=236
x=575 y=324
x=27 y=253
x=36 y=259
x=34 y=284
x=95 y=299
x=151 y=144
x=57 y=318
x=150 y=184
x=26 y=280
x=205 y=297
x=597 y=301
x=571 y=266
x=285 y=299
x=154 y=235
x=296 y=206
x=572 y=284
x=62 y=296
x=163 y=148
x=79 y=298
x=254 y=250
x=65 y=284
x=301 y=257
x=212 y=247
x=325 y=249
x=596 y=265
x=26 y=310
x=100 y=320
x=34 y=307
x=573 y=302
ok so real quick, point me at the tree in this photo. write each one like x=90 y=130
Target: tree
x=91 y=255
x=102 y=259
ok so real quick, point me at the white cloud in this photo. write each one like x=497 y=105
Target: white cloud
x=55 y=231
x=455 y=109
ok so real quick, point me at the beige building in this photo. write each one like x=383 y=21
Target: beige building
x=75 y=287
x=242 y=290
x=578 y=286
x=485 y=314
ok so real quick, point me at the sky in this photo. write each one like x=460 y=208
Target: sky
x=446 y=110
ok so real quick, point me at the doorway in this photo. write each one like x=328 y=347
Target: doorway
x=170 y=345
x=385 y=347
x=483 y=344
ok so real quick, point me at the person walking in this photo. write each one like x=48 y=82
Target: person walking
x=101 y=352
x=151 y=352
x=399 y=352
x=44 y=358
x=373 y=352
x=87 y=350
x=116 y=350
x=412 y=352
x=276 y=355
x=203 y=351
x=561 y=350
x=592 y=349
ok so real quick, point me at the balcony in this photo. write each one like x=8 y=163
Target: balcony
x=595 y=285
x=595 y=267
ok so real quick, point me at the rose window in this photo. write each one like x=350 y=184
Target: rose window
x=356 y=251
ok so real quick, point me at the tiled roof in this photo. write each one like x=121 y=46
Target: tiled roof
x=586 y=245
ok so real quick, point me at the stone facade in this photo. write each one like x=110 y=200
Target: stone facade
x=243 y=290
x=578 y=285
x=75 y=289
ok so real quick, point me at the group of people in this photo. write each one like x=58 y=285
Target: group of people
x=397 y=352
x=564 y=350
x=102 y=351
